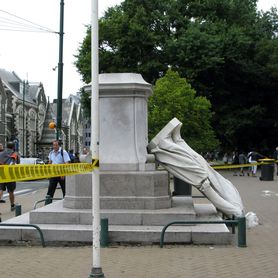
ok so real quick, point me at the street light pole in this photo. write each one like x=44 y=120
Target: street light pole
x=96 y=269
x=60 y=72
x=23 y=127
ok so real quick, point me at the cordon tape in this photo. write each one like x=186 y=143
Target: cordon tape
x=11 y=173
x=265 y=161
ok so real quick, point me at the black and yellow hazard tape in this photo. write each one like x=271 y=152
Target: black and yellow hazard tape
x=10 y=173
x=95 y=163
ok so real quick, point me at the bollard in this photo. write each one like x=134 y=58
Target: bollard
x=17 y=210
x=241 y=232
x=48 y=200
x=104 y=232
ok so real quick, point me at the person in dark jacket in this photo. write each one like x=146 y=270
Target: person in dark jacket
x=235 y=161
x=9 y=157
x=242 y=160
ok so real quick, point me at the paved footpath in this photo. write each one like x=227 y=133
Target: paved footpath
x=258 y=260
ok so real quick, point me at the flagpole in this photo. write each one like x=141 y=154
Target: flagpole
x=96 y=270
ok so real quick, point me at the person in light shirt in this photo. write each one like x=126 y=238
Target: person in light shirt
x=57 y=156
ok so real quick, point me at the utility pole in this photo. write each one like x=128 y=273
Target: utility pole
x=23 y=127
x=60 y=73
x=96 y=268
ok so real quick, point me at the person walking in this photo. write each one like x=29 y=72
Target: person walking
x=57 y=156
x=9 y=157
x=242 y=160
x=235 y=161
x=253 y=157
x=1 y=191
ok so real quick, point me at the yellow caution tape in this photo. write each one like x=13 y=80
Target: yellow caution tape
x=264 y=161
x=234 y=166
x=10 y=173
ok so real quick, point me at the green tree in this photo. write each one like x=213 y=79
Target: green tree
x=227 y=50
x=174 y=97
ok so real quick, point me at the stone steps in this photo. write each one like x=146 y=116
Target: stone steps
x=55 y=213
x=216 y=234
x=72 y=227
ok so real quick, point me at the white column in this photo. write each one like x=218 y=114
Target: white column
x=96 y=269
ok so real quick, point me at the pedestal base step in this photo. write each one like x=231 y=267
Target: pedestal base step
x=217 y=234
x=55 y=213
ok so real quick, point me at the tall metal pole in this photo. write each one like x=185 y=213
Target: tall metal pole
x=96 y=269
x=23 y=127
x=60 y=72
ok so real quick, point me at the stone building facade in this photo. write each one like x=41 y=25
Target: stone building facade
x=25 y=114
x=23 y=110
x=71 y=134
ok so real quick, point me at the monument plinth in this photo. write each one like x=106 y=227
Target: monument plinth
x=128 y=178
x=134 y=196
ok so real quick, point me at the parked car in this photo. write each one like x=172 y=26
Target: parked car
x=31 y=160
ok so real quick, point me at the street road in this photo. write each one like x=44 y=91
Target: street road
x=27 y=187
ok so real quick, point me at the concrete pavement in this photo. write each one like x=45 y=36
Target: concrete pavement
x=259 y=259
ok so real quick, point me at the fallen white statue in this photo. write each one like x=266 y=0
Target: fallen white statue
x=172 y=152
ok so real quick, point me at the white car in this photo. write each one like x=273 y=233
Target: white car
x=31 y=160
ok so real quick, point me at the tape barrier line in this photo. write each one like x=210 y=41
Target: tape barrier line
x=95 y=163
x=10 y=173
x=231 y=166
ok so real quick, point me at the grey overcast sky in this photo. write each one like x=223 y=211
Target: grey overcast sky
x=33 y=55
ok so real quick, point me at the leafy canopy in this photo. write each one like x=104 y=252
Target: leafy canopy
x=174 y=97
x=227 y=51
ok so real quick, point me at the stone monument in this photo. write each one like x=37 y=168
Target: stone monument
x=128 y=178
x=134 y=195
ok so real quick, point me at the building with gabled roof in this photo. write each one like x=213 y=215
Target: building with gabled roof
x=72 y=123
x=24 y=104
x=25 y=114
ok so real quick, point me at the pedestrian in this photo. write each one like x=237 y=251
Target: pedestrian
x=72 y=156
x=57 y=156
x=76 y=158
x=225 y=158
x=242 y=160
x=235 y=161
x=9 y=157
x=1 y=191
x=253 y=157
x=85 y=151
x=275 y=156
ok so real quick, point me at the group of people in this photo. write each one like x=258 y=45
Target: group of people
x=251 y=158
x=57 y=155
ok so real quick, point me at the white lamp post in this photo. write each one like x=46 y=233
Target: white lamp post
x=96 y=268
